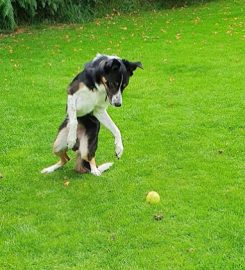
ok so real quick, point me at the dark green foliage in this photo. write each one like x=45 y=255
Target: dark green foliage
x=18 y=11
x=13 y=12
x=6 y=15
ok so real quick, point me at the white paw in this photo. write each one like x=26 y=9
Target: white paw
x=44 y=170
x=47 y=170
x=105 y=166
x=96 y=172
x=52 y=168
x=118 y=148
x=71 y=140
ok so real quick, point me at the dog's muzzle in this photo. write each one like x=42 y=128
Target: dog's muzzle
x=116 y=99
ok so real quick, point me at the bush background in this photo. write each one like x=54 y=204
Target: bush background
x=15 y=12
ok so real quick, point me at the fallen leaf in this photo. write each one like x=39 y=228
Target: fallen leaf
x=178 y=36
x=158 y=217
x=197 y=20
x=66 y=183
x=171 y=79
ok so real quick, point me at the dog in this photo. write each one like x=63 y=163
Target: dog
x=100 y=84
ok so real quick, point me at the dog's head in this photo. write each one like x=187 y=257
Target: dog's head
x=115 y=78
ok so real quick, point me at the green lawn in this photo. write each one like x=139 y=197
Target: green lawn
x=183 y=127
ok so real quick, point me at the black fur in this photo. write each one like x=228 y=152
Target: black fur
x=112 y=72
x=92 y=127
x=87 y=77
x=63 y=124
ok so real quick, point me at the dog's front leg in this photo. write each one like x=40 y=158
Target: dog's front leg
x=106 y=120
x=72 y=124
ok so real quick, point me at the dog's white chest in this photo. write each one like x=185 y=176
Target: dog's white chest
x=87 y=100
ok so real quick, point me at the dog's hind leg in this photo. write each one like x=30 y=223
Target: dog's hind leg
x=85 y=166
x=80 y=165
x=59 y=149
x=85 y=155
x=98 y=170
x=63 y=160
x=94 y=169
x=87 y=134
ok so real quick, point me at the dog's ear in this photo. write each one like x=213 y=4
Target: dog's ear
x=131 y=66
x=111 y=65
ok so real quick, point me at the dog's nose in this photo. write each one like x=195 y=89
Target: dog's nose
x=118 y=104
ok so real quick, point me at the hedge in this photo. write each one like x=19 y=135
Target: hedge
x=15 y=12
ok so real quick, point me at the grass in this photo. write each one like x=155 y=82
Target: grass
x=183 y=130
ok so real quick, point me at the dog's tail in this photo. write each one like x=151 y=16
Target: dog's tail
x=105 y=166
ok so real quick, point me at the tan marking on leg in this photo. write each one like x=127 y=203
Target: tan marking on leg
x=63 y=157
x=63 y=160
x=92 y=162
x=59 y=149
x=66 y=156
x=94 y=169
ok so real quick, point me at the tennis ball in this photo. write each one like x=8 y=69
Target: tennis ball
x=153 y=197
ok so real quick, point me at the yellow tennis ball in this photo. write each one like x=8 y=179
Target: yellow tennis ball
x=153 y=197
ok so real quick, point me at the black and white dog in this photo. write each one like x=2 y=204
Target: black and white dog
x=100 y=83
